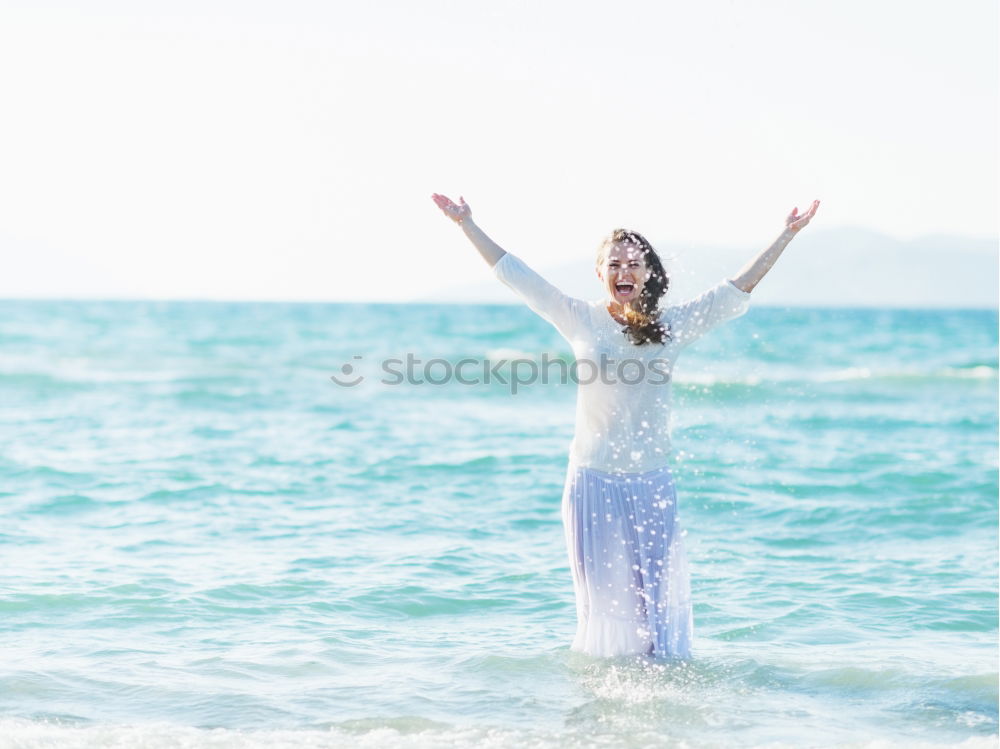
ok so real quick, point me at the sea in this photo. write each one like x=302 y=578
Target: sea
x=304 y=525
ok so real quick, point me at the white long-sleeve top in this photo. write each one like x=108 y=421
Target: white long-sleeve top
x=623 y=390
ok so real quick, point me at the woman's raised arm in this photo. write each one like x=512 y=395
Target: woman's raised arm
x=461 y=214
x=564 y=312
x=756 y=269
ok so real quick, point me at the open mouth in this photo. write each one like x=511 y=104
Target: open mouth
x=625 y=287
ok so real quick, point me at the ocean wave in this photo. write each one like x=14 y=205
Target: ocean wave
x=376 y=732
x=394 y=467
x=762 y=375
x=978 y=372
x=847 y=374
x=42 y=381
x=65 y=503
x=418 y=602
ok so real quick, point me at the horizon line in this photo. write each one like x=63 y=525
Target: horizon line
x=459 y=303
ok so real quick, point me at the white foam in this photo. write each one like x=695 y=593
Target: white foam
x=18 y=733
x=847 y=374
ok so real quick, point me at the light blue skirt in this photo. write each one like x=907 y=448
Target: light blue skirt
x=630 y=570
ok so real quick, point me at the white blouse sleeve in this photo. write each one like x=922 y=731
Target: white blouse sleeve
x=691 y=320
x=564 y=312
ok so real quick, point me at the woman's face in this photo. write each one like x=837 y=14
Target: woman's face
x=623 y=272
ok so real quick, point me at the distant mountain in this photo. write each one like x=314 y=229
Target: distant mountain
x=850 y=267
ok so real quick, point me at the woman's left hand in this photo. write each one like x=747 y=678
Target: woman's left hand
x=794 y=222
x=456 y=212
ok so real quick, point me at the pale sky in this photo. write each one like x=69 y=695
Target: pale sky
x=287 y=150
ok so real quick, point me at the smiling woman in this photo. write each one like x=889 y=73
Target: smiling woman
x=619 y=505
x=635 y=280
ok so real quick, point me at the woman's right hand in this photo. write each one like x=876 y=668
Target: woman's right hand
x=457 y=213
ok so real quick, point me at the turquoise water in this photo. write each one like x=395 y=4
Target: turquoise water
x=207 y=542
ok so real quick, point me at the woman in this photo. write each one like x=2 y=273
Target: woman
x=619 y=505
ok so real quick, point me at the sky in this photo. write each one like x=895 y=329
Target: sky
x=287 y=151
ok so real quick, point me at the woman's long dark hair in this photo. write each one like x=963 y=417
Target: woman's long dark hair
x=641 y=315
